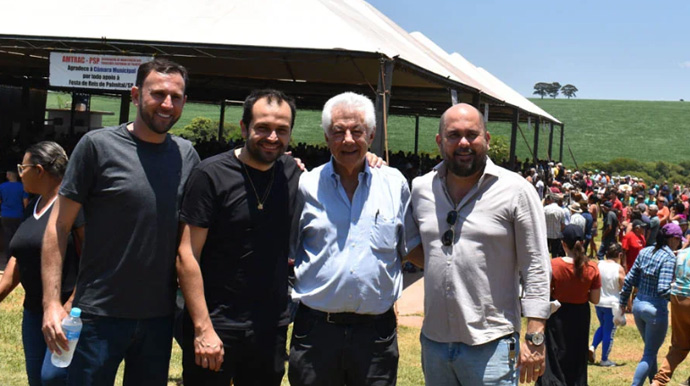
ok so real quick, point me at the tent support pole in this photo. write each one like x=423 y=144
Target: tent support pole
x=536 y=140
x=453 y=96
x=416 y=134
x=550 y=141
x=124 y=107
x=383 y=97
x=221 y=122
x=560 y=156
x=513 y=138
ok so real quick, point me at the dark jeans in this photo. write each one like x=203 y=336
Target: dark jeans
x=251 y=358
x=605 y=243
x=555 y=247
x=144 y=344
x=334 y=354
x=39 y=369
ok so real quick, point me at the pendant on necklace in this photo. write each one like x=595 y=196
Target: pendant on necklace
x=260 y=206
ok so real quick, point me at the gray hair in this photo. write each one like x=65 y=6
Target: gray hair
x=353 y=101
x=51 y=156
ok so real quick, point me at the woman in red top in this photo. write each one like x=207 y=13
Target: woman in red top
x=575 y=281
x=632 y=243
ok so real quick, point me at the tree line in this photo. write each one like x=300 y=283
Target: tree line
x=552 y=90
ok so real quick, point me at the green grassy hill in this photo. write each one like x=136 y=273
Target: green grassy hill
x=595 y=130
x=602 y=130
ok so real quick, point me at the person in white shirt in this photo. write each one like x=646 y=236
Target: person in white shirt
x=612 y=277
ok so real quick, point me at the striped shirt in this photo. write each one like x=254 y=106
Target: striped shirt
x=652 y=274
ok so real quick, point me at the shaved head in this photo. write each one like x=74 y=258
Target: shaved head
x=469 y=111
x=463 y=140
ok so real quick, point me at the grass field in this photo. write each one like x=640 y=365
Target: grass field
x=626 y=351
x=595 y=130
x=601 y=130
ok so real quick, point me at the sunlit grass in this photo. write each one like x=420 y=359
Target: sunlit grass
x=627 y=351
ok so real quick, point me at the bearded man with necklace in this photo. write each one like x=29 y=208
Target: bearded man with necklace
x=233 y=254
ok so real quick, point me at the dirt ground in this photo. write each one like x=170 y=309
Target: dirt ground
x=410 y=306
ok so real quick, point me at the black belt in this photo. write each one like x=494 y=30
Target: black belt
x=345 y=317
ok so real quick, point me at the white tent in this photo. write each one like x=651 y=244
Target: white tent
x=299 y=27
x=491 y=85
x=311 y=49
x=487 y=82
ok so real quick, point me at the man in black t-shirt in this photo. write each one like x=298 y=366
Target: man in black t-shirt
x=233 y=254
x=610 y=228
x=129 y=179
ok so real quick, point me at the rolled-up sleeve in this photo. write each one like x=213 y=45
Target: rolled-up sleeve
x=412 y=236
x=532 y=253
x=666 y=277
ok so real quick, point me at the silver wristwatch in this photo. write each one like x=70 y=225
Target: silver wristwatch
x=536 y=338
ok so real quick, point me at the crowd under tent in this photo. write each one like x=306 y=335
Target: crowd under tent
x=311 y=49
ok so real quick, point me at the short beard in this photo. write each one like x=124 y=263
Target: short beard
x=150 y=123
x=476 y=165
x=258 y=156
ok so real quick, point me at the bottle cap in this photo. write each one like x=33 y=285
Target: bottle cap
x=75 y=313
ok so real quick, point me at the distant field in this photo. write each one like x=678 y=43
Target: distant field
x=602 y=130
x=595 y=130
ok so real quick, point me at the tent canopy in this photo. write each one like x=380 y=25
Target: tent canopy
x=488 y=83
x=311 y=49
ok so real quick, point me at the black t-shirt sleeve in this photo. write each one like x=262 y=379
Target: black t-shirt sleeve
x=80 y=221
x=80 y=175
x=198 y=203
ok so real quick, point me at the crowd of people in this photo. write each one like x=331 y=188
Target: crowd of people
x=644 y=234
x=229 y=224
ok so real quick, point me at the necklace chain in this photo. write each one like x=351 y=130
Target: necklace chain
x=261 y=201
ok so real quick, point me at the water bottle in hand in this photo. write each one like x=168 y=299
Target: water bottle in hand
x=71 y=326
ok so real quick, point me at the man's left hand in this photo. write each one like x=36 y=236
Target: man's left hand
x=532 y=362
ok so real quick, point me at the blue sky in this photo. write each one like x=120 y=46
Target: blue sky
x=608 y=49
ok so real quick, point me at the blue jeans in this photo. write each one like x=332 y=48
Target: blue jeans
x=39 y=369
x=604 y=247
x=144 y=344
x=651 y=319
x=605 y=331
x=458 y=364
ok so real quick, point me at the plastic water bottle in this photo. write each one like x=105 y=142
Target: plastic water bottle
x=71 y=325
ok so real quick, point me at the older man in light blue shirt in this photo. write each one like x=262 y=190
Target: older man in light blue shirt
x=348 y=247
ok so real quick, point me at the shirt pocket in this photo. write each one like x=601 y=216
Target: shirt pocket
x=384 y=235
